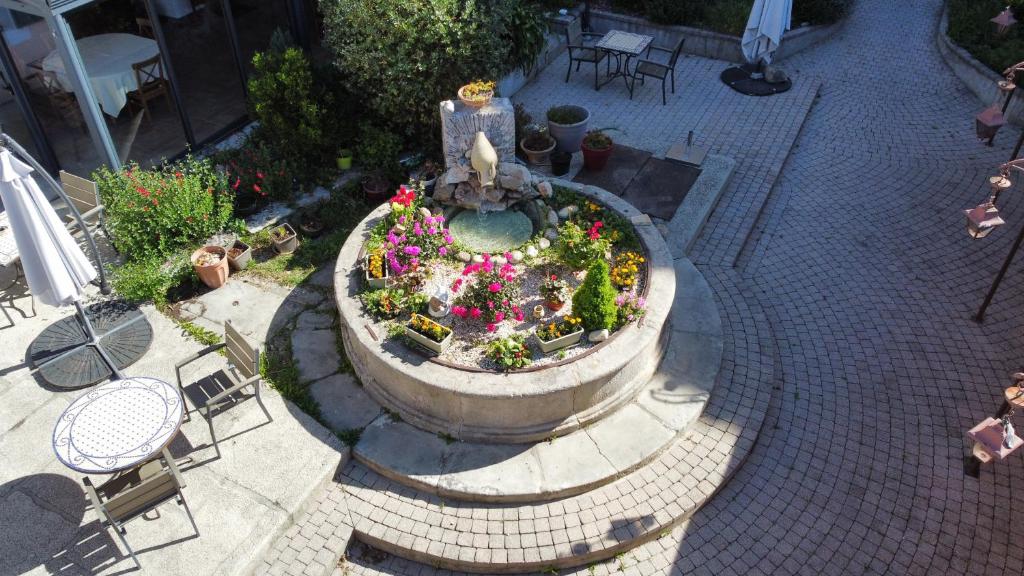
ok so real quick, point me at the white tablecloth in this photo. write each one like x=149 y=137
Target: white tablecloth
x=108 y=60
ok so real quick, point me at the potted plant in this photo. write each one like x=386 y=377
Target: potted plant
x=555 y=292
x=310 y=223
x=344 y=159
x=239 y=255
x=537 y=144
x=557 y=335
x=284 y=239
x=510 y=353
x=597 y=147
x=211 y=265
x=477 y=94
x=567 y=124
x=560 y=162
x=376 y=271
x=428 y=333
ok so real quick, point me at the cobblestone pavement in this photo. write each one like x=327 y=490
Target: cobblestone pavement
x=861 y=264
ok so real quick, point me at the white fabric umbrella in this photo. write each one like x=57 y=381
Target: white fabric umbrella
x=55 y=267
x=769 y=19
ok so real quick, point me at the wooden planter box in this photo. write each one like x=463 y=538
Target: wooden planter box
x=558 y=343
x=375 y=282
x=428 y=343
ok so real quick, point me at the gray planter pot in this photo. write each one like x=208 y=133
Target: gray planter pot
x=558 y=343
x=375 y=282
x=569 y=137
x=241 y=261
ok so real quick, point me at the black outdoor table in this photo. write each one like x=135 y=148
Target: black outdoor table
x=66 y=358
x=624 y=46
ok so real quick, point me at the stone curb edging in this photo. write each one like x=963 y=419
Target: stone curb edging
x=701 y=42
x=978 y=78
x=612 y=447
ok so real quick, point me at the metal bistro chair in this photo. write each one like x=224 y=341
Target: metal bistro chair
x=580 y=53
x=151 y=82
x=134 y=493
x=85 y=195
x=645 y=68
x=210 y=393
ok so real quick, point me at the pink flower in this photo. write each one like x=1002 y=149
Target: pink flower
x=495 y=287
x=457 y=284
x=519 y=316
x=412 y=250
x=442 y=251
x=447 y=238
x=499 y=316
x=490 y=305
x=401 y=219
x=459 y=311
x=487 y=257
x=490 y=327
x=475 y=312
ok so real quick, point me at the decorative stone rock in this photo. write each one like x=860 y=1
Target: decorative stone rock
x=773 y=75
x=499 y=260
x=598 y=336
x=517 y=256
x=544 y=243
x=399 y=229
x=443 y=192
x=552 y=218
x=477 y=259
x=463 y=256
x=532 y=251
x=568 y=211
x=425 y=213
x=545 y=190
x=550 y=234
x=493 y=194
x=513 y=176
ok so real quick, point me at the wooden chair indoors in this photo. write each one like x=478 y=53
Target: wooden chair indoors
x=152 y=84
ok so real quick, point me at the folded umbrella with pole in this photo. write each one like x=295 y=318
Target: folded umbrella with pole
x=89 y=346
x=768 y=21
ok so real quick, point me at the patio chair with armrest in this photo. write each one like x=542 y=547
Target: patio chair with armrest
x=662 y=71
x=85 y=195
x=224 y=386
x=151 y=84
x=579 y=52
x=134 y=493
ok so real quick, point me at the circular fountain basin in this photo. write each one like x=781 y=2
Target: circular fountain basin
x=522 y=406
x=491 y=232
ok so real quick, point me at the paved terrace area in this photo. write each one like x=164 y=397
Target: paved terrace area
x=844 y=281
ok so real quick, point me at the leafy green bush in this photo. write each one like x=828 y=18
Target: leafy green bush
x=970 y=28
x=729 y=16
x=677 y=11
x=293 y=112
x=402 y=57
x=522 y=30
x=254 y=173
x=152 y=213
x=378 y=151
x=510 y=353
x=577 y=247
x=594 y=301
x=151 y=278
x=819 y=11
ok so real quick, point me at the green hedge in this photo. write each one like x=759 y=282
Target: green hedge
x=402 y=57
x=727 y=16
x=970 y=28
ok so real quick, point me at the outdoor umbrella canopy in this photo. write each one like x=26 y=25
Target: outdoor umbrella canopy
x=768 y=20
x=55 y=267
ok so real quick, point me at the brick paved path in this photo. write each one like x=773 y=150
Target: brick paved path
x=866 y=278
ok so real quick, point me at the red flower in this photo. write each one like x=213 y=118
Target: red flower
x=256 y=187
x=237 y=182
x=259 y=175
x=178 y=175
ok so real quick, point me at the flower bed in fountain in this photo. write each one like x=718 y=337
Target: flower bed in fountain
x=523 y=344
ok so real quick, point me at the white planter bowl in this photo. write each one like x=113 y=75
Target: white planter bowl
x=558 y=343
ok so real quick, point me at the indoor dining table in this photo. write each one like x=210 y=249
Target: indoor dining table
x=108 y=60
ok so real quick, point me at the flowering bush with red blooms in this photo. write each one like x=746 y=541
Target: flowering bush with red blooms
x=491 y=293
x=253 y=174
x=151 y=213
x=414 y=236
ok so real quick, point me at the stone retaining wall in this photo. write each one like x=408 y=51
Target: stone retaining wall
x=979 y=78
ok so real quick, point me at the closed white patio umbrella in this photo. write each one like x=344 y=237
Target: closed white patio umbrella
x=768 y=21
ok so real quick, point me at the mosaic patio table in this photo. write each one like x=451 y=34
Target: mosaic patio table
x=119 y=425
x=624 y=46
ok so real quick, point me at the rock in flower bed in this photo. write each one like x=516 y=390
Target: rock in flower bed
x=490 y=302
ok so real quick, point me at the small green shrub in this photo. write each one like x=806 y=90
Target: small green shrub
x=728 y=16
x=152 y=278
x=679 y=11
x=378 y=150
x=970 y=28
x=153 y=213
x=594 y=301
x=577 y=248
x=392 y=302
x=523 y=28
x=510 y=353
x=253 y=172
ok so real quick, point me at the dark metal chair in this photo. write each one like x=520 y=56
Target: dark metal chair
x=580 y=53
x=659 y=70
x=134 y=493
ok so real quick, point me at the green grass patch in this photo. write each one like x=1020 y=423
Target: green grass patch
x=278 y=369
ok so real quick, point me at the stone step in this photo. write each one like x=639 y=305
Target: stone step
x=582 y=460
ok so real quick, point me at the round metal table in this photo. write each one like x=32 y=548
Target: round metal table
x=119 y=425
x=65 y=357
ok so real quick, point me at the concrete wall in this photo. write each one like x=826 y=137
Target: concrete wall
x=979 y=78
x=705 y=42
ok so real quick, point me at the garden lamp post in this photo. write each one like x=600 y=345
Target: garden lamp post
x=988 y=122
x=984 y=218
x=1004 y=21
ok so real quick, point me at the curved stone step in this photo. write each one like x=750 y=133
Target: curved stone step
x=582 y=460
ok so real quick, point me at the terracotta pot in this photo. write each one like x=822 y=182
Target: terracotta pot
x=213 y=275
x=596 y=160
x=554 y=306
x=475 y=103
x=537 y=157
x=376 y=189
